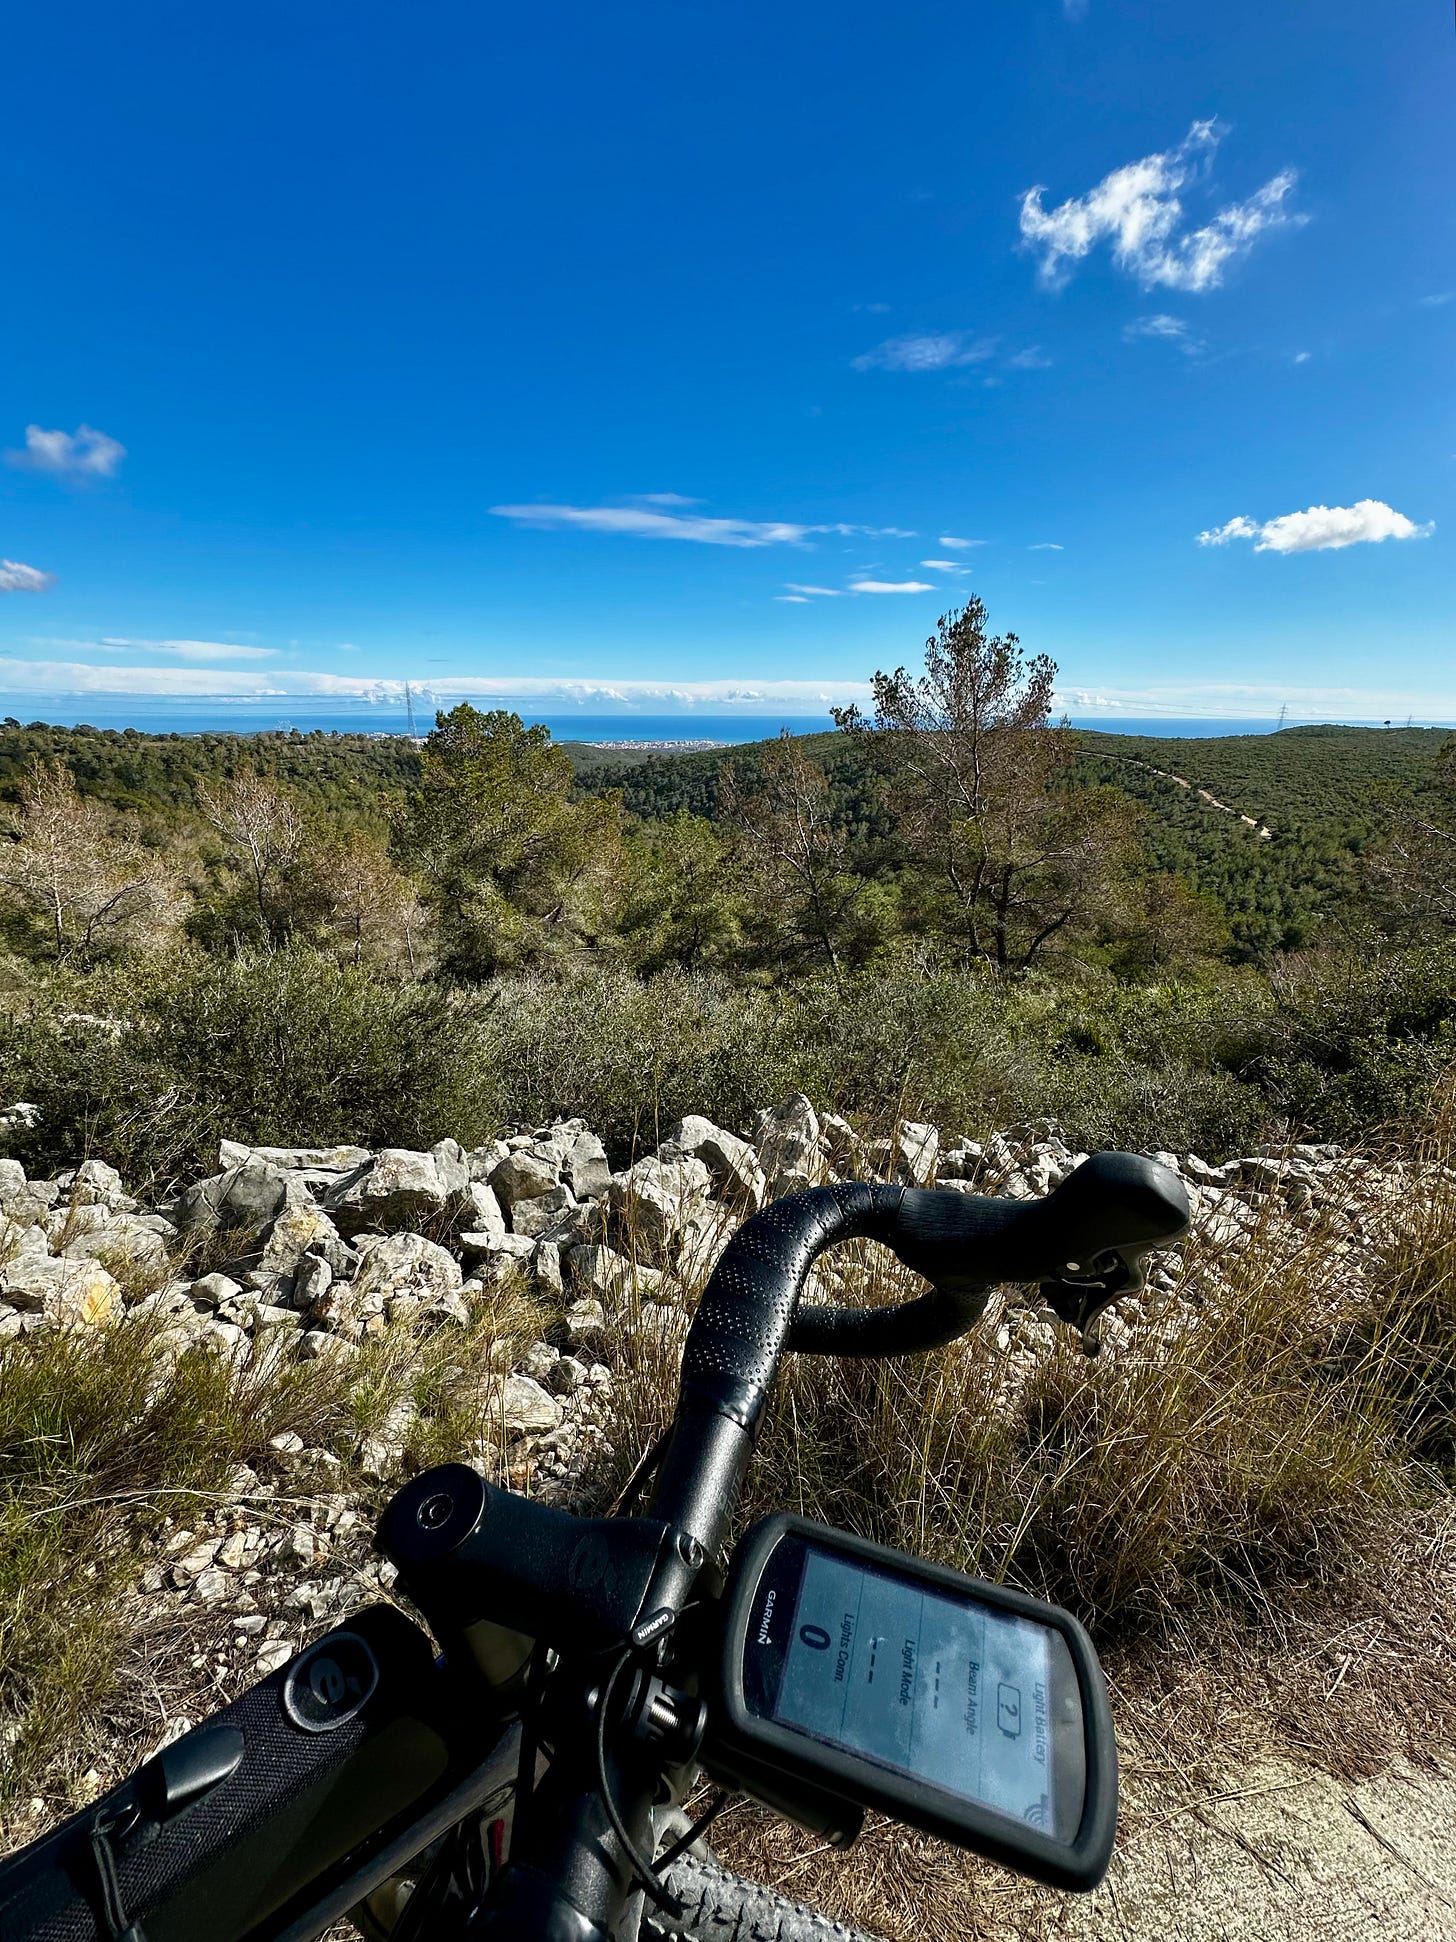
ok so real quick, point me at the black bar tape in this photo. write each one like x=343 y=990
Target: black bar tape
x=963 y=1244
x=741 y=1328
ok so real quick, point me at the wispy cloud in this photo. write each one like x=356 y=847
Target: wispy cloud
x=1437 y=298
x=1046 y=546
x=954 y=545
x=82 y=454
x=1301 y=357
x=794 y=599
x=1033 y=358
x=1256 y=701
x=640 y=523
x=1320 y=529
x=1075 y=9
x=184 y=650
x=739 y=694
x=891 y=586
x=1163 y=329
x=16 y=577
x=822 y=593
x=663 y=499
x=936 y=351
x=945 y=566
x=1136 y=211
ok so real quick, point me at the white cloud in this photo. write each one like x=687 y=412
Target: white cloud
x=1236 y=528
x=891 y=586
x=186 y=650
x=741 y=694
x=793 y=599
x=1136 y=211
x=1046 y=546
x=82 y=454
x=945 y=566
x=639 y=523
x=1320 y=529
x=16 y=577
x=664 y=499
x=1257 y=702
x=955 y=545
x=824 y=593
x=1033 y=358
x=1437 y=298
x=1165 y=329
x=1301 y=357
x=939 y=351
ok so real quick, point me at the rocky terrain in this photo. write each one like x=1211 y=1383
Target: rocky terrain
x=292 y=1254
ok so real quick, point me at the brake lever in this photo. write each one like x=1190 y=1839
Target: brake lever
x=1080 y=1300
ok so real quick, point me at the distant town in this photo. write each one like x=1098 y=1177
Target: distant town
x=662 y=748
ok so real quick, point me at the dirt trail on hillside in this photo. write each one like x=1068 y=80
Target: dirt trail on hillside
x=1261 y=830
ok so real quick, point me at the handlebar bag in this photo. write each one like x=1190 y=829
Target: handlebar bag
x=225 y=1833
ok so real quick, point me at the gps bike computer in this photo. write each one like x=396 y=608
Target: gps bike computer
x=959 y=1707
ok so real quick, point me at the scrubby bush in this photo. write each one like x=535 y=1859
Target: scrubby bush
x=151 y=1067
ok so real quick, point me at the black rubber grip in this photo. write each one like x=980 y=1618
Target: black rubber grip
x=963 y=1244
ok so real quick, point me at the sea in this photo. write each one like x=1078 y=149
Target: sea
x=201 y=716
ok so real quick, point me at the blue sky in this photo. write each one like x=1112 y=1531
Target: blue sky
x=659 y=355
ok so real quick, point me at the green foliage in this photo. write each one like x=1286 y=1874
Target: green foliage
x=1359 y=1040
x=155 y=777
x=152 y=1067
x=514 y=866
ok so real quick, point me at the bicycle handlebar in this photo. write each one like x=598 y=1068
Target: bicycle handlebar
x=1082 y=1243
x=1113 y=1207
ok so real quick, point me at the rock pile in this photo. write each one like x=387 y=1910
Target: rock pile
x=313 y=1251
x=331 y=1245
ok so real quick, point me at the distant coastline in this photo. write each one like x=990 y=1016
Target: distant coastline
x=665 y=734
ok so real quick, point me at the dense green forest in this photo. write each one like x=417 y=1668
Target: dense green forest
x=951 y=903
x=154 y=777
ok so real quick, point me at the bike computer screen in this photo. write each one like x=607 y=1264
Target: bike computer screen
x=956 y=1705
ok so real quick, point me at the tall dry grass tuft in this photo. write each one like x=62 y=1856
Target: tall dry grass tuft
x=106 y=1434
x=1242 y=1441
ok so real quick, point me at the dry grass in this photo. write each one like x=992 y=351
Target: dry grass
x=102 y=1437
x=1246 y=1497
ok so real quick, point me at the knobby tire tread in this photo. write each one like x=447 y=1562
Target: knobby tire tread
x=720 y=1906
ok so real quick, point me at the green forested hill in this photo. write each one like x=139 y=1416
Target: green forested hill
x=1299 y=776
x=1323 y=793
x=155 y=777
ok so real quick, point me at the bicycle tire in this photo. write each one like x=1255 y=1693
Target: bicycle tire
x=720 y=1906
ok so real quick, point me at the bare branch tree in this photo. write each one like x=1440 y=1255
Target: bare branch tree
x=92 y=888
x=263 y=829
x=976 y=774
x=787 y=833
x=373 y=908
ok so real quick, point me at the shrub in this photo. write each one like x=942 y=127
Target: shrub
x=151 y=1068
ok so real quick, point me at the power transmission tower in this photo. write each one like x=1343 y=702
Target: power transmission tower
x=1283 y=715
x=409 y=708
